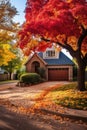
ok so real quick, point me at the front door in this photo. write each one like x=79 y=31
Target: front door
x=35 y=66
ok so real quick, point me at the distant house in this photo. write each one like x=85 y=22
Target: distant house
x=2 y=71
x=57 y=66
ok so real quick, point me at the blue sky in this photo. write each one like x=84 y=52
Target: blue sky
x=20 y=6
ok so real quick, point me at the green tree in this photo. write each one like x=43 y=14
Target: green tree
x=15 y=64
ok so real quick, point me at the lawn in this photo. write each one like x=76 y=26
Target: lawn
x=68 y=96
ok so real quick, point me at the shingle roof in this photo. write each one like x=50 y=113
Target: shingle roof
x=63 y=60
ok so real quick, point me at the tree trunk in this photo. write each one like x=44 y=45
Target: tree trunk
x=81 y=77
x=10 y=75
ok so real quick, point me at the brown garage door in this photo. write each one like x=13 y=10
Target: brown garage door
x=58 y=74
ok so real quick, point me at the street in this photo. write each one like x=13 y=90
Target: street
x=14 y=121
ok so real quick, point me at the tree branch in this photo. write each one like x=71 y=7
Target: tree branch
x=82 y=37
x=66 y=46
x=85 y=60
x=48 y=40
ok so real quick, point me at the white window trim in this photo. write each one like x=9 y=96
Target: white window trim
x=46 y=56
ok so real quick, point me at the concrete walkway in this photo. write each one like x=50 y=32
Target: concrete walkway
x=24 y=96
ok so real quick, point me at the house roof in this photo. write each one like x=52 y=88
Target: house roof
x=39 y=57
x=63 y=60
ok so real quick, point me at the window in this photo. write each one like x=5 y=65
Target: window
x=50 y=53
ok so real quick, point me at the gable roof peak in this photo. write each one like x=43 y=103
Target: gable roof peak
x=35 y=54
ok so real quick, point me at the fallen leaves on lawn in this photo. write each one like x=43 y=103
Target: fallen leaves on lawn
x=43 y=94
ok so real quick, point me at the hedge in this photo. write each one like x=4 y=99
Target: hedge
x=30 y=78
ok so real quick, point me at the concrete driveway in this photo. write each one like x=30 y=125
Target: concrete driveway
x=24 y=96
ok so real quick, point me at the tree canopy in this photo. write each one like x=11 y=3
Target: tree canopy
x=55 y=20
x=7 y=13
x=8 y=30
x=63 y=22
x=15 y=64
x=5 y=54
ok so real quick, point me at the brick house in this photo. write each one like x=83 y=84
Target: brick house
x=57 y=66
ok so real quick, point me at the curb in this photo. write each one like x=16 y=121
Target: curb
x=75 y=117
x=2 y=83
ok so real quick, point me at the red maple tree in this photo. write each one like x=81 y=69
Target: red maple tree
x=63 y=22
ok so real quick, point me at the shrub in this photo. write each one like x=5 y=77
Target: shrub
x=19 y=74
x=30 y=78
x=41 y=72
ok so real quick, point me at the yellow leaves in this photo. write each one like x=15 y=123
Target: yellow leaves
x=57 y=48
x=68 y=1
x=66 y=96
x=46 y=35
x=61 y=38
x=31 y=46
x=5 y=36
x=6 y=46
x=26 y=51
x=72 y=41
x=33 y=43
x=6 y=55
x=56 y=12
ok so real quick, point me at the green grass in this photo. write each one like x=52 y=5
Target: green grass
x=68 y=96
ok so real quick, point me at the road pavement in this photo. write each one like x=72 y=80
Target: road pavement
x=13 y=121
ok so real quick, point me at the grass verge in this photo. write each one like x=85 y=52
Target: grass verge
x=7 y=81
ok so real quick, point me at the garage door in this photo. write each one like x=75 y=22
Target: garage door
x=58 y=74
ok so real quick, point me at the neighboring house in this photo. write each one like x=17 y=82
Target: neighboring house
x=3 y=75
x=2 y=71
x=57 y=66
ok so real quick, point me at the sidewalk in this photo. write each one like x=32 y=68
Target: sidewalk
x=68 y=113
